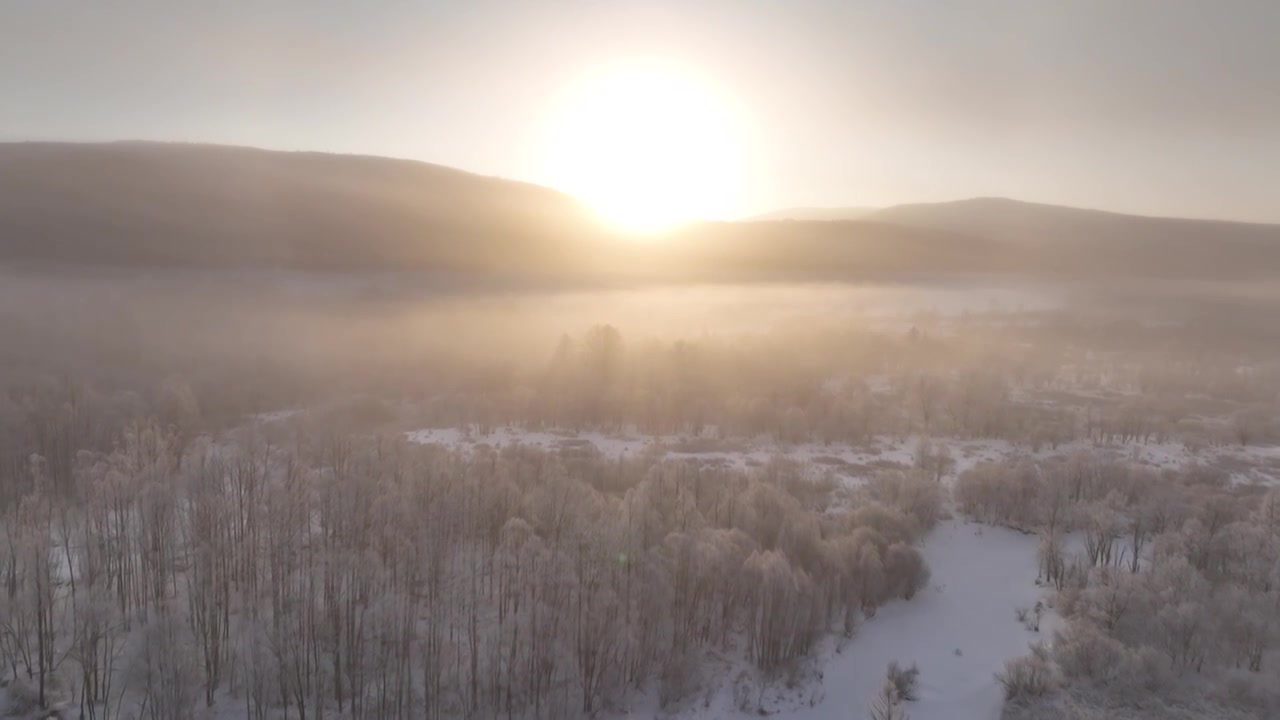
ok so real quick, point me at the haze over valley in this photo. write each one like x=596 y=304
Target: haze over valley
x=639 y=360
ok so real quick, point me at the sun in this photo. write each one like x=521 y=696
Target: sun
x=648 y=146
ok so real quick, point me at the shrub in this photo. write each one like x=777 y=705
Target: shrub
x=904 y=680
x=1029 y=676
x=886 y=705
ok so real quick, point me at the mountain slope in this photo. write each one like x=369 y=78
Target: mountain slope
x=146 y=204
x=149 y=203
x=1072 y=240
x=817 y=214
x=215 y=207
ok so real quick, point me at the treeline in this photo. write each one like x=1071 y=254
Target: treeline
x=1037 y=378
x=367 y=577
x=974 y=378
x=960 y=380
x=1168 y=582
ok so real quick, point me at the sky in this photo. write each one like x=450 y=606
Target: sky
x=1164 y=107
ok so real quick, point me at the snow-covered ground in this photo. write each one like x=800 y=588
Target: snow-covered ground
x=274 y=416
x=959 y=631
x=1246 y=464
x=613 y=446
x=844 y=459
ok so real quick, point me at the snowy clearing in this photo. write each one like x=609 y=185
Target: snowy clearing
x=1247 y=464
x=959 y=631
x=981 y=576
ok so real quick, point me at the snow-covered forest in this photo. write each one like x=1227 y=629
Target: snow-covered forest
x=1168 y=582
x=648 y=523
x=376 y=578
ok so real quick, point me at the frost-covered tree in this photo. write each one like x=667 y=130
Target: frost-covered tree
x=886 y=705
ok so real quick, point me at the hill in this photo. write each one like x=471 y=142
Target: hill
x=138 y=204
x=817 y=214
x=228 y=207
x=133 y=204
x=1050 y=238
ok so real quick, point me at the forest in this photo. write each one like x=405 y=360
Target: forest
x=175 y=546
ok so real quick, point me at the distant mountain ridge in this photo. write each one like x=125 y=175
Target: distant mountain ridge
x=219 y=207
x=982 y=203
x=1075 y=239
x=817 y=214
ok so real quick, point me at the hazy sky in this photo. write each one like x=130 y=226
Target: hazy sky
x=1156 y=106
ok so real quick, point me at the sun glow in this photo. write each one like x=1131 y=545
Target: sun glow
x=648 y=147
